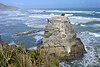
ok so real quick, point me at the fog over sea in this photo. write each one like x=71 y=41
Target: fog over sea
x=85 y=22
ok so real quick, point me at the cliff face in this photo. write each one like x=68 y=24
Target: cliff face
x=60 y=39
x=6 y=7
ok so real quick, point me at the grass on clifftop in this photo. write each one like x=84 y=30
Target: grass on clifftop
x=20 y=57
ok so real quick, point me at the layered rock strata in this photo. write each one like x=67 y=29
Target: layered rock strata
x=60 y=39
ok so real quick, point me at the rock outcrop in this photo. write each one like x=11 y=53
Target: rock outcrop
x=60 y=39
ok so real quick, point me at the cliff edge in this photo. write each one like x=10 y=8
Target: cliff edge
x=60 y=39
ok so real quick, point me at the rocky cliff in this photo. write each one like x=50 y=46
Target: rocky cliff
x=60 y=39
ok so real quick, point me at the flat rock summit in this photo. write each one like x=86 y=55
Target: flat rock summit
x=60 y=39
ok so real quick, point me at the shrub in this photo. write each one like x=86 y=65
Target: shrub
x=63 y=14
x=20 y=57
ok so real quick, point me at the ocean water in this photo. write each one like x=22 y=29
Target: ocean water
x=85 y=22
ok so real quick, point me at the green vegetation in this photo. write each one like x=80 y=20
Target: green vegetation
x=63 y=14
x=20 y=57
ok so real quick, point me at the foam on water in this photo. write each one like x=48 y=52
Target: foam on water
x=98 y=12
x=68 y=15
x=63 y=11
x=10 y=12
x=32 y=48
x=36 y=25
x=87 y=38
x=95 y=34
x=85 y=25
x=38 y=11
x=13 y=18
x=12 y=43
x=43 y=16
x=38 y=38
x=74 y=19
x=90 y=58
x=79 y=19
x=82 y=25
x=40 y=33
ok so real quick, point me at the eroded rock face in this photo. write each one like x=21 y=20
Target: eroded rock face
x=60 y=39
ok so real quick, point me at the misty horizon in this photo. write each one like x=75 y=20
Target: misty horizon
x=24 y=4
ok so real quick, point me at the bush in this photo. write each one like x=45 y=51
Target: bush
x=63 y=14
x=20 y=57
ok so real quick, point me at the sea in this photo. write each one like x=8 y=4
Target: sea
x=85 y=22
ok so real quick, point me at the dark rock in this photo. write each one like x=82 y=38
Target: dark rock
x=1 y=42
x=39 y=42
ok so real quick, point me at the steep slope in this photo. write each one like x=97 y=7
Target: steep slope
x=60 y=39
x=6 y=7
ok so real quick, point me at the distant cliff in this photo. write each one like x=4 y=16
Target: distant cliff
x=6 y=7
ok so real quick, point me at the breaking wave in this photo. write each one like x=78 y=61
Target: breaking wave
x=63 y=11
x=34 y=25
x=95 y=34
x=79 y=19
x=44 y=16
x=90 y=58
x=85 y=25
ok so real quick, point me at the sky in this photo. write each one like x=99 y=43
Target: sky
x=53 y=3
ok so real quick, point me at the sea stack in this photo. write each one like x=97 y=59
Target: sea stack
x=60 y=39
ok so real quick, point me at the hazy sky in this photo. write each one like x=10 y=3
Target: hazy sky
x=53 y=3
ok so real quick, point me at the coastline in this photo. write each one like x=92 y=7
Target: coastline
x=89 y=33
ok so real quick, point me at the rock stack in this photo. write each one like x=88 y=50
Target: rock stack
x=60 y=39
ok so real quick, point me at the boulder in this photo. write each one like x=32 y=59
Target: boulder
x=60 y=39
